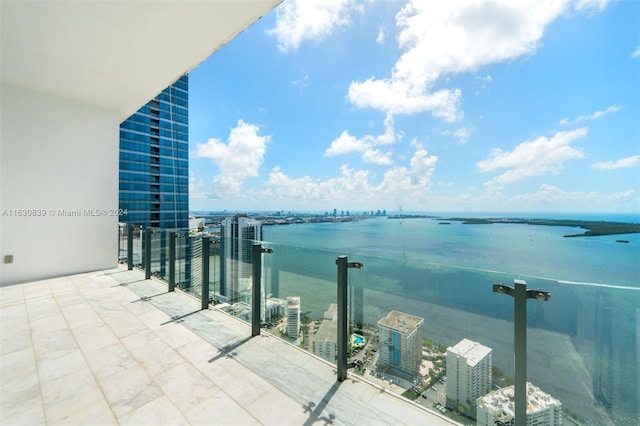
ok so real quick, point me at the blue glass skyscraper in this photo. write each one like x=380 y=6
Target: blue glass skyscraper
x=154 y=161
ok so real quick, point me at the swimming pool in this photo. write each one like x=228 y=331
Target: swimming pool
x=357 y=340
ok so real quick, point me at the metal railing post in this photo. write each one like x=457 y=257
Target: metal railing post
x=147 y=253
x=520 y=352
x=256 y=289
x=520 y=294
x=343 y=265
x=172 y=261
x=205 y=273
x=129 y=247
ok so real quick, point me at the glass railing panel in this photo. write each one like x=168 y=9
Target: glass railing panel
x=230 y=275
x=298 y=287
x=301 y=283
x=190 y=260
x=122 y=243
x=137 y=246
x=583 y=345
x=159 y=253
x=183 y=260
x=214 y=269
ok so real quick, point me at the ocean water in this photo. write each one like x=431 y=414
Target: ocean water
x=583 y=345
x=523 y=250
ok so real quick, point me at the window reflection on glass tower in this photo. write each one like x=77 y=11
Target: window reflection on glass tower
x=154 y=170
x=236 y=246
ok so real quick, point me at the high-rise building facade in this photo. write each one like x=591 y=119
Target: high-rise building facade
x=238 y=234
x=468 y=374
x=497 y=407
x=154 y=161
x=293 y=317
x=400 y=344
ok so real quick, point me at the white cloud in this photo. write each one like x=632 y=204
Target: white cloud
x=301 y=20
x=594 y=116
x=382 y=35
x=357 y=186
x=462 y=134
x=401 y=97
x=591 y=4
x=237 y=160
x=439 y=38
x=375 y=156
x=636 y=53
x=622 y=163
x=598 y=114
x=347 y=143
x=533 y=158
x=547 y=198
x=549 y=195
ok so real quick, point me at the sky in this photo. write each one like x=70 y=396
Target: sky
x=425 y=106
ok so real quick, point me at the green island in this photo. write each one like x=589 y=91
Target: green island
x=593 y=228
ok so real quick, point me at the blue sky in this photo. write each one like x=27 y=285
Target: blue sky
x=478 y=106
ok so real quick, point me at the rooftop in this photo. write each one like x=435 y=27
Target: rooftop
x=402 y=322
x=143 y=355
x=501 y=400
x=474 y=352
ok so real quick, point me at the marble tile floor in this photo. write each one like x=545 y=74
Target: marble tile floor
x=109 y=347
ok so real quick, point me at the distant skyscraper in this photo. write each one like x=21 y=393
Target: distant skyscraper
x=497 y=407
x=400 y=347
x=154 y=161
x=293 y=317
x=238 y=234
x=468 y=374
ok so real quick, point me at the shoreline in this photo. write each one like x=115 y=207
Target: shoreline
x=593 y=228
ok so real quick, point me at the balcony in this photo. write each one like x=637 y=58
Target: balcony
x=144 y=354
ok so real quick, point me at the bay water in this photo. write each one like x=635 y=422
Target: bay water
x=583 y=345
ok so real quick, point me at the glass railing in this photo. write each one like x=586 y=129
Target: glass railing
x=409 y=323
x=131 y=236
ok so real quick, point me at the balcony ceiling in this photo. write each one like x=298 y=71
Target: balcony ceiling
x=111 y=53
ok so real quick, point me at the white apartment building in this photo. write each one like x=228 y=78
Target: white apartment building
x=400 y=347
x=293 y=317
x=326 y=337
x=468 y=373
x=542 y=409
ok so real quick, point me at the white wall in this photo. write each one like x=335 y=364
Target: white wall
x=56 y=153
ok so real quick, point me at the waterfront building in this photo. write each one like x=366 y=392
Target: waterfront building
x=468 y=374
x=238 y=234
x=497 y=407
x=154 y=161
x=293 y=317
x=273 y=309
x=326 y=337
x=400 y=347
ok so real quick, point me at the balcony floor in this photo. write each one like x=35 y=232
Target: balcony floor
x=109 y=347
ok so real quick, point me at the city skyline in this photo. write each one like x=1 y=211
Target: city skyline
x=535 y=110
